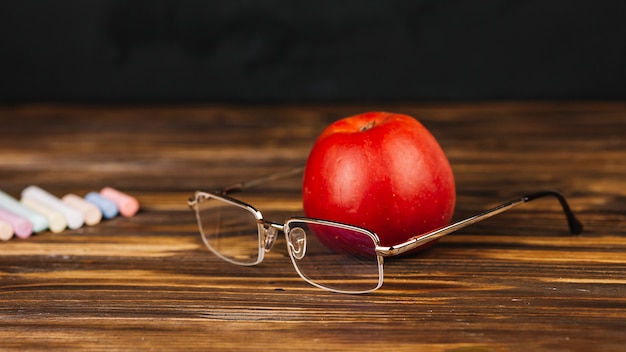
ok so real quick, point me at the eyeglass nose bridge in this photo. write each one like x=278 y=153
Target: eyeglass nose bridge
x=297 y=242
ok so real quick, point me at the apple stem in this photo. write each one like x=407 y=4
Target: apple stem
x=368 y=126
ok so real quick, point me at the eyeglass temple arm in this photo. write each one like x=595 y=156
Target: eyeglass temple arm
x=240 y=186
x=575 y=225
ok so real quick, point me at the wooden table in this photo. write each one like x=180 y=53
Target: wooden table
x=516 y=282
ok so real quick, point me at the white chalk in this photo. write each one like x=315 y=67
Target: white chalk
x=74 y=218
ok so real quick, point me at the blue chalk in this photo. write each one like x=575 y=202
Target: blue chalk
x=108 y=207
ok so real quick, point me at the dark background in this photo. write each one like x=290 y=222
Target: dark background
x=268 y=50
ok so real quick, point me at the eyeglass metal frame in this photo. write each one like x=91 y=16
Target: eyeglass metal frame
x=268 y=230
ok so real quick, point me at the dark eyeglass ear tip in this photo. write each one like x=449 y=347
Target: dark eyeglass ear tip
x=575 y=226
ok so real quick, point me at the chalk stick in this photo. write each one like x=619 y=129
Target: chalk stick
x=6 y=231
x=74 y=218
x=107 y=207
x=56 y=220
x=39 y=222
x=90 y=211
x=127 y=204
x=21 y=227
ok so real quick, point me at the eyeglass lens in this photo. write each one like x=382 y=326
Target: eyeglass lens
x=332 y=257
x=230 y=231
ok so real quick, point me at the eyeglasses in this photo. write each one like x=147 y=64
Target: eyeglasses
x=333 y=256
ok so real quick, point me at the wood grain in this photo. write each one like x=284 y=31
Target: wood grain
x=515 y=282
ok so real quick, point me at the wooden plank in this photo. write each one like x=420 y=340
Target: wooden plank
x=517 y=281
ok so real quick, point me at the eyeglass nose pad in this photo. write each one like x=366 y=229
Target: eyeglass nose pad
x=297 y=242
x=270 y=237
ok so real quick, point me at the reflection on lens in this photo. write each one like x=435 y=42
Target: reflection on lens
x=230 y=231
x=344 y=240
x=339 y=258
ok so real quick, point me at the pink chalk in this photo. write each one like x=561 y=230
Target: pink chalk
x=6 y=231
x=22 y=227
x=127 y=204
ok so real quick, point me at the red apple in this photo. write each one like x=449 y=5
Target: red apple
x=381 y=171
